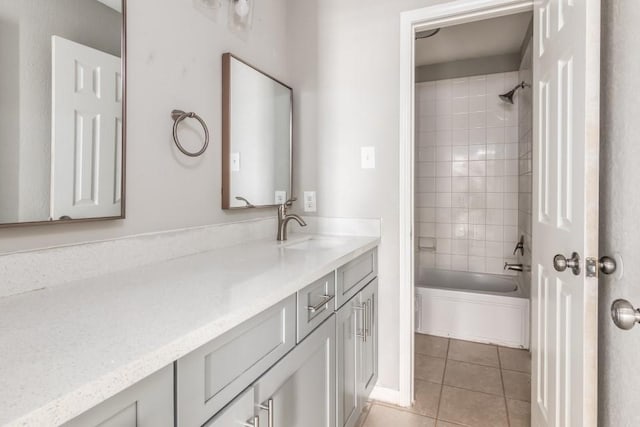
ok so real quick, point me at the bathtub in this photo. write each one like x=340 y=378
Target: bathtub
x=477 y=307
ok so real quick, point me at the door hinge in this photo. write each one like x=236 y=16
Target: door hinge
x=591 y=267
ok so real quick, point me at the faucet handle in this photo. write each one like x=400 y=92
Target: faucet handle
x=290 y=201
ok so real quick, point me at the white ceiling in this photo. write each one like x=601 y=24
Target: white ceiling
x=113 y=4
x=491 y=37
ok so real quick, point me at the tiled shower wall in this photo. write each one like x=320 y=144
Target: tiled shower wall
x=466 y=174
x=525 y=143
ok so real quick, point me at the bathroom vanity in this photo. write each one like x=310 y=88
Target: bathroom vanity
x=260 y=334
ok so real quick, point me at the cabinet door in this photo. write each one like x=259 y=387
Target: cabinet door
x=300 y=389
x=240 y=412
x=348 y=327
x=148 y=403
x=369 y=355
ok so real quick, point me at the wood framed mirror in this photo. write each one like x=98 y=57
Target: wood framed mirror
x=256 y=137
x=63 y=111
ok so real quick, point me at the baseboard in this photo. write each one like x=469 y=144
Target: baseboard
x=386 y=395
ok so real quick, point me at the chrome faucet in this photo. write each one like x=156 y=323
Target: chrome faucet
x=513 y=267
x=284 y=218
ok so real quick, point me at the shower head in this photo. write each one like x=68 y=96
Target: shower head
x=426 y=34
x=508 y=97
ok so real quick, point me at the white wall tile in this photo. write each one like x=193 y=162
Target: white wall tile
x=495 y=217
x=460 y=247
x=443 y=154
x=443 y=169
x=477 y=184
x=476 y=103
x=460 y=153
x=443 y=137
x=495 y=151
x=460 y=105
x=494 y=233
x=477 y=264
x=443 y=215
x=477 y=201
x=459 y=262
x=460 y=184
x=477 y=86
x=477 y=152
x=443 y=261
x=477 y=119
x=495 y=135
x=460 y=137
x=477 y=136
x=443 y=200
x=459 y=200
x=468 y=168
x=494 y=200
x=477 y=168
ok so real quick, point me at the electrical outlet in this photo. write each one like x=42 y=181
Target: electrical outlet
x=368 y=160
x=309 y=201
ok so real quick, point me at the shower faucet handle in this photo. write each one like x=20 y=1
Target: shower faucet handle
x=519 y=246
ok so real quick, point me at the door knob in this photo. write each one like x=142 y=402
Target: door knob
x=560 y=263
x=624 y=315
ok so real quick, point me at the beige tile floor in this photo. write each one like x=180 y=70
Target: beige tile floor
x=461 y=383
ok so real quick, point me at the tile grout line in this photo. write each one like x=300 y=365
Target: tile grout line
x=444 y=371
x=504 y=391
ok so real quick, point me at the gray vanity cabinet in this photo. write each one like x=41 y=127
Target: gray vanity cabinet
x=357 y=353
x=149 y=403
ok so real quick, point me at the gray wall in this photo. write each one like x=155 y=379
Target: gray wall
x=468 y=67
x=619 y=350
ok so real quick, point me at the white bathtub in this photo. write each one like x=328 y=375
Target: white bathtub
x=472 y=306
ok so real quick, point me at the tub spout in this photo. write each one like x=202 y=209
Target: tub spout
x=513 y=267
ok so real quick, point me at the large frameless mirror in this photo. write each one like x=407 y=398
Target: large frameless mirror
x=256 y=137
x=61 y=110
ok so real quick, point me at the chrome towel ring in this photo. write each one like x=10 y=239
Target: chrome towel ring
x=178 y=116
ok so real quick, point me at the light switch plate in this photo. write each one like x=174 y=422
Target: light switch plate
x=310 y=201
x=235 y=162
x=368 y=157
x=281 y=197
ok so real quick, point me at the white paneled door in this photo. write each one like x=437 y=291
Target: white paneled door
x=86 y=151
x=565 y=215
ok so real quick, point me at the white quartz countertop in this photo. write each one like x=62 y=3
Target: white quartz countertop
x=65 y=349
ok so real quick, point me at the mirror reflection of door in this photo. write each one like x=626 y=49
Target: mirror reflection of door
x=41 y=136
x=87 y=132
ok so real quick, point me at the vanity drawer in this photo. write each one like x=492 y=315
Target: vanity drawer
x=211 y=376
x=148 y=403
x=353 y=276
x=315 y=304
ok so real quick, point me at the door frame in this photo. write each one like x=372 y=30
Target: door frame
x=442 y=15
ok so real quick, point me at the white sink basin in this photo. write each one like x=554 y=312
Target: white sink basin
x=315 y=244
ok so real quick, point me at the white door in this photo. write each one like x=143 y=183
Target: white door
x=86 y=146
x=565 y=212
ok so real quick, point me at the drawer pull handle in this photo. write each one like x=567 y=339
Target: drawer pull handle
x=269 y=408
x=322 y=305
x=253 y=422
